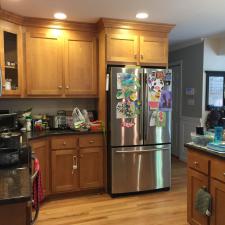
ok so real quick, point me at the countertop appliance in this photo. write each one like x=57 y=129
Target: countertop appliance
x=8 y=122
x=139 y=129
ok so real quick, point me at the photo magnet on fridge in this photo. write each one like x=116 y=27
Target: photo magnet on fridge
x=165 y=103
x=161 y=119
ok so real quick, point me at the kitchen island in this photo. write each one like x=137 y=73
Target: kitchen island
x=206 y=168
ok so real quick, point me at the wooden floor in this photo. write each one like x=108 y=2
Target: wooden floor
x=161 y=208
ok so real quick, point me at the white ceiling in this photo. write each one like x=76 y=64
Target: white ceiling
x=193 y=18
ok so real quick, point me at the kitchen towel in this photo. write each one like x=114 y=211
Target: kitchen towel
x=38 y=195
x=203 y=202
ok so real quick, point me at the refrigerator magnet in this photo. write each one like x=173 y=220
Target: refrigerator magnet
x=128 y=123
x=120 y=94
x=160 y=75
x=161 y=119
x=120 y=110
x=119 y=84
x=168 y=76
x=153 y=119
x=165 y=102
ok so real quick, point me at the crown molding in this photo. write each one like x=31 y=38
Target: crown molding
x=93 y=27
x=134 y=25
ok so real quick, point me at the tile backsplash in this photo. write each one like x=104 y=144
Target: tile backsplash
x=48 y=106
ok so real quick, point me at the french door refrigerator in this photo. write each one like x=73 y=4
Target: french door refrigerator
x=139 y=129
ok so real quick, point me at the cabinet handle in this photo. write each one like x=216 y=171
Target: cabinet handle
x=74 y=164
x=91 y=142
x=60 y=86
x=64 y=143
x=224 y=174
x=142 y=56
x=67 y=87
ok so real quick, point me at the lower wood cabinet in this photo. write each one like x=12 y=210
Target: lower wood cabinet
x=91 y=167
x=205 y=170
x=196 y=180
x=218 y=206
x=41 y=149
x=65 y=175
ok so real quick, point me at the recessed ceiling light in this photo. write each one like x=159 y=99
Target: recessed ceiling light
x=142 y=15
x=60 y=16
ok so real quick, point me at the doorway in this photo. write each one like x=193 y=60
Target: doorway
x=176 y=110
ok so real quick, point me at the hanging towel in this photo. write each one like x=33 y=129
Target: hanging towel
x=203 y=202
x=38 y=195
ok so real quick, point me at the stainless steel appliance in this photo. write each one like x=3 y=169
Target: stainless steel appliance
x=139 y=129
x=8 y=122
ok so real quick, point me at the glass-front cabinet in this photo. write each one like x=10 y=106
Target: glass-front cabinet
x=10 y=60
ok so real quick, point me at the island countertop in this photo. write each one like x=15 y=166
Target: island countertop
x=192 y=145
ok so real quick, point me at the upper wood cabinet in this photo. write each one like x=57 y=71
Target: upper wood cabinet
x=80 y=64
x=137 y=49
x=11 y=59
x=153 y=50
x=122 y=48
x=44 y=64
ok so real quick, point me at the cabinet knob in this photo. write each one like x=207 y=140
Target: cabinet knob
x=3 y=85
x=67 y=87
x=142 y=56
x=224 y=174
x=196 y=163
x=60 y=86
x=64 y=143
x=91 y=142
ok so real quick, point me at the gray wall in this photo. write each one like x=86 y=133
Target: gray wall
x=47 y=106
x=192 y=77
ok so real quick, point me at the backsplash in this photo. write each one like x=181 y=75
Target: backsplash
x=40 y=106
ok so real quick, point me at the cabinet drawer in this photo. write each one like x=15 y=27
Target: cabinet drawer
x=64 y=142
x=91 y=140
x=218 y=169
x=198 y=162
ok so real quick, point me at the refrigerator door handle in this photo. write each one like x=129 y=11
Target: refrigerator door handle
x=143 y=151
x=141 y=119
x=145 y=108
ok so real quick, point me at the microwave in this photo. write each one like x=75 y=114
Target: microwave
x=8 y=122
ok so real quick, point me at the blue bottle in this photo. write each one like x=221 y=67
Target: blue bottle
x=218 y=135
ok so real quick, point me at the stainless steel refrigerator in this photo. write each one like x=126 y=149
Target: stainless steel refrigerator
x=139 y=129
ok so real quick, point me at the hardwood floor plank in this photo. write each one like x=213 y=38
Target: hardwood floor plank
x=158 y=208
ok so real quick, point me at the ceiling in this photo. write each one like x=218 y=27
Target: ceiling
x=194 y=19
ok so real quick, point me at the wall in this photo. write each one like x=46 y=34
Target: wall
x=48 y=106
x=213 y=60
x=192 y=70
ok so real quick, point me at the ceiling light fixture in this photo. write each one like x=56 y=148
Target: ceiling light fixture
x=60 y=16
x=142 y=15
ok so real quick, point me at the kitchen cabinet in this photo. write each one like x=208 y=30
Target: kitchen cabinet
x=91 y=167
x=153 y=50
x=77 y=167
x=44 y=64
x=196 y=180
x=41 y=149
x=65 y=171
x=11 y=58
x=137 y=49
x=205 y=170
x=218 y=205
x=122 y=48
x=80 y=64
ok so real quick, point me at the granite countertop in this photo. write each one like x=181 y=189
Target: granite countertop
x=46 y=133
x=204 y=149
x=15 y=185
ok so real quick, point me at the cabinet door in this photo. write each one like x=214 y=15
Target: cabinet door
x=218 y=206
x=44 y=64
x=91 y=168
x=64 y=171
x=41 y=150
x=153 y=50
x=80 y=65
x=122 y=48
x=196 y=180
x=11 y=59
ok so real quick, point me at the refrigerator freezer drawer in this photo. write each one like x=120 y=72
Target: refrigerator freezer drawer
x=142 y=168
